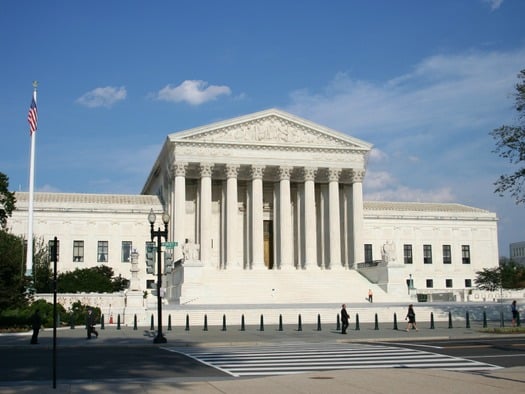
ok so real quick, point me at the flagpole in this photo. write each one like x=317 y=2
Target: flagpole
x=29 y=254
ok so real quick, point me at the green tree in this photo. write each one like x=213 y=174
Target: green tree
x=99 y=279
x=508 y=275
x=510 y=144
x=13 y=282
x=7 y=200
x=42 y=270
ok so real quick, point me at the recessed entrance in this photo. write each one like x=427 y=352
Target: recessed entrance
x=268 y=244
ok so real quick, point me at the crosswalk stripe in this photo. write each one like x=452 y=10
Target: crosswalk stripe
x=297 y=358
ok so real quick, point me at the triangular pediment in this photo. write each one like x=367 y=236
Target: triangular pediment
x=271 y=127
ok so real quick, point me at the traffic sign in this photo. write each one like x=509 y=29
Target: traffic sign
x=170 y=245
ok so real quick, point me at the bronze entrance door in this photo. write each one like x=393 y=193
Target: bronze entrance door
x=268 y=244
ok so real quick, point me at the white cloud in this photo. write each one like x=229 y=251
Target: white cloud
x=494 y=4
x=103 y=97
x=403 y=193
x=194 y=92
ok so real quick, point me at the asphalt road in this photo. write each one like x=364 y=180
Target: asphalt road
x=503 y=352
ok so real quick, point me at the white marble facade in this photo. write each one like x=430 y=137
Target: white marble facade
x=271 y=192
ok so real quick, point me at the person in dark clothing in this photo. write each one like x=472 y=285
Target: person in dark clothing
x=36 y=324
x=344 y=319
x=90 y=324
x=411 y=316
x=515 y=313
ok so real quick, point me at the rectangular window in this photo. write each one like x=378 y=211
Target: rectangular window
x=51 y=244
x=126 y=251
x=465 y=254
x=427 y=254
x=78 y=251
x=102 y=251
x=447 y=254
x=407 y=253
x=430 y=283
x=448 y=283
x=468 y=282
x=368 y=253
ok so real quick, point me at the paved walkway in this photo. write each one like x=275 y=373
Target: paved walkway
x=509 y=380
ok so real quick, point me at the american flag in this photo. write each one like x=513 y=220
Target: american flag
x=32 y=116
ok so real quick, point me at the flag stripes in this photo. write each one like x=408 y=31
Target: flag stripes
x=32 y=116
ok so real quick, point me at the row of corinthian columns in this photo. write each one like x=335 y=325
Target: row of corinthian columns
x=285 y=230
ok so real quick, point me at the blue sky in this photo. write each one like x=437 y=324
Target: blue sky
x=424 y=81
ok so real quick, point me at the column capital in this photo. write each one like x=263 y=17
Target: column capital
x=309 y=173
x=257 y=171
x=178 y=169
x=333 y=174
x=285 y=172
x=206 y=169
x=232 y=170
x=357 y=176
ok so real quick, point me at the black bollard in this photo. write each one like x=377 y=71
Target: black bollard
x=395 y=321
x=151 y=325
x=72 y=322
x=280 y=322
x=223 y=322
x=118 y=321
x=318 y=322
x=449 y=319
x=357 y=322
x=484 y=319
x=243 y=328
x=376 y=325
x=261 y=327
x=501 y=320
x=432 y=326
x=338 y=325
x=102 y=322
x=205 y=323
x=299 y=324
x=169 y=322
x=187 y=322
x=135 y=322
x=467 y=318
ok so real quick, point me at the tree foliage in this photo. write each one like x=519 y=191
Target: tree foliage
x=13 y=283
x=508 y=275
x=99 y=279
x=510 y=144
x=7 y=200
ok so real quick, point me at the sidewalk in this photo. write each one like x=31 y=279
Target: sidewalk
x=354 y=381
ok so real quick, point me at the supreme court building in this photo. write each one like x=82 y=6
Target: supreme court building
x=269 y=207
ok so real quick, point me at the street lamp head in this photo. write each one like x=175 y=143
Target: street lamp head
x=152 y=217
x=165 y=217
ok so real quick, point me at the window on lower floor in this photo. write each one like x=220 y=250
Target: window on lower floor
x=102 y=251
x=427 y=254
x=78 y=251
x=468 y=282
x=126 y=251
x=447 y=254
x=430 y=283
x=407 y=254
x=51 y=247
x=465 y=254
x=368 y=253
x=448 y=283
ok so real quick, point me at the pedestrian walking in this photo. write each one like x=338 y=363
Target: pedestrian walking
x=411 y=317
x=90 y=324
x=515 y=313
x=344 y=319
x=36 y=324
x=370 y=295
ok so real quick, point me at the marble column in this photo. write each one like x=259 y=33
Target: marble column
x=310 y=219
x=285 y=219
x=334 y=220
x=232 y=209
x=205 y=213
x=357 y=215
x=179 y=219
x=257 y=241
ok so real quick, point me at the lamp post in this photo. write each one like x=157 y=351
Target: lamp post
x=159 y=234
